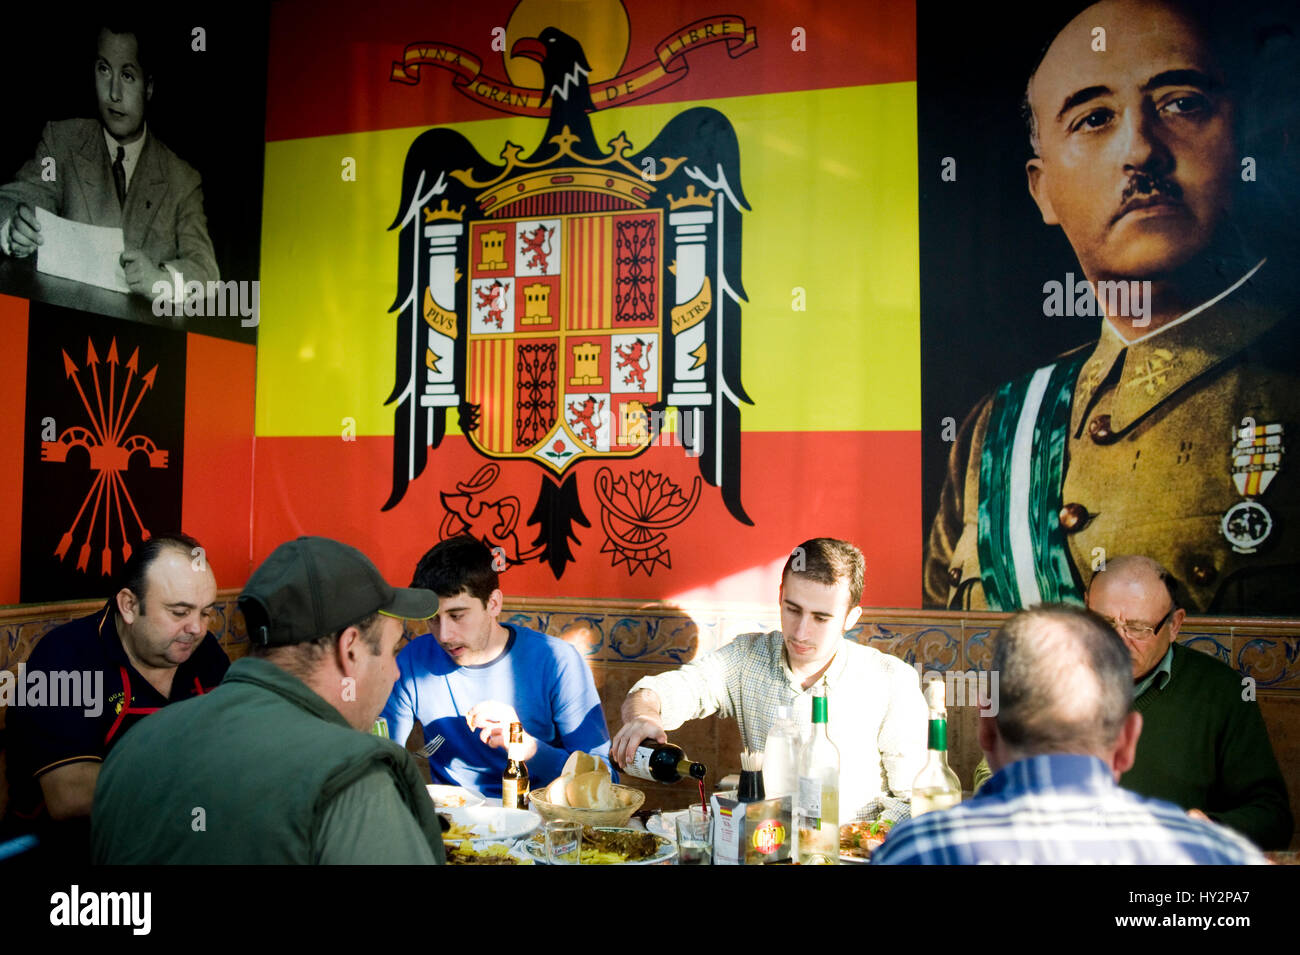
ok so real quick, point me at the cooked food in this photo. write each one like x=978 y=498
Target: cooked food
x=611 y=847
x=496 y=854
x=446 y=800
x=860 y=839
x=628 y=844
x=458 y=831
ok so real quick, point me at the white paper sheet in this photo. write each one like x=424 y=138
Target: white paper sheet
x=83 y=253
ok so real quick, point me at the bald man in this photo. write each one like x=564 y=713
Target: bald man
x=1166 y=436
x=1203 y=745
x=1063 y=734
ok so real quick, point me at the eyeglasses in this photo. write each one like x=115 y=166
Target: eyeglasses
x=1140 y=633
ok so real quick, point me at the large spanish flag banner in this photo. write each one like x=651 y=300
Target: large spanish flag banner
x=627 y=290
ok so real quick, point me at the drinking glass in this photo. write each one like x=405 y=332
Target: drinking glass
x=694 y=837
x=564 y=843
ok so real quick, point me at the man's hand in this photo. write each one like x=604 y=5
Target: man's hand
x=24 y=232
x=141 y=273
x=1197 y=814
x=492 y=719
x=641 y=720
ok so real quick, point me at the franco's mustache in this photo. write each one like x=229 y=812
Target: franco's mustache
x=1145 y=184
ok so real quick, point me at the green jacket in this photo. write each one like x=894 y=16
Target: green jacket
x=261 y=770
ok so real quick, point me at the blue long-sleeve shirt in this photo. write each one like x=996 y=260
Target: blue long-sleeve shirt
x=543 y=678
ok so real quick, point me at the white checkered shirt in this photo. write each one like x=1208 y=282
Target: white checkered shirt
x=877 y=716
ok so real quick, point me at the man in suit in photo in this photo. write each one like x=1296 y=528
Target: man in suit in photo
x=112 y=171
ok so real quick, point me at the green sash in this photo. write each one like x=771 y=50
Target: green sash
x=1025 y=550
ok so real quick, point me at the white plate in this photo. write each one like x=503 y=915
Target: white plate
x=494 y=823
x=665 y=823
x=453 y=797
x=663 y=856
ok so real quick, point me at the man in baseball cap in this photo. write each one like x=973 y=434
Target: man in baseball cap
x=275 y=764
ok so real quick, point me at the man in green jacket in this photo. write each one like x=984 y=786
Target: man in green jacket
x=276 y=765
x=1204 y=745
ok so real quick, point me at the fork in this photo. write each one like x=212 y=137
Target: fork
x=431 y=747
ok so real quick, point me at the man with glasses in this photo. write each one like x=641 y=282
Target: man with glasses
x=1203 y=744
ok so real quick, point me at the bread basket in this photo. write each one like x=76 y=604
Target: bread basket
x=630 y=798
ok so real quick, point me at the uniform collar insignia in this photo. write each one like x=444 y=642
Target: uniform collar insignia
x=1158 y=365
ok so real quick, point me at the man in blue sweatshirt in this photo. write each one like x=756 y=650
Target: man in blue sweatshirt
x=474 y=675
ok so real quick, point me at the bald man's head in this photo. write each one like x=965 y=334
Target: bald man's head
x=1133 y=134
x=1064 y=679
x=1137 y=596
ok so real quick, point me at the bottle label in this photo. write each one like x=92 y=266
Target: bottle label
x=640 y=765
x=810 y=801
x=510 y=793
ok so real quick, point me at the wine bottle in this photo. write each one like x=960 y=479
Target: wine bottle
x=781 y=755
x=817 y=811
x=936 y=785
x=661 y=762
x=514 y=781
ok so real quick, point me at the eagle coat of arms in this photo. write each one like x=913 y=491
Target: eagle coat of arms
x=567 y=304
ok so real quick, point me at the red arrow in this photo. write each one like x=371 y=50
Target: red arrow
x=84 y=557
x=146 y=383
x=70 y=369
x=92 y=360
x=119 y=488
x=144 y=533
x=130 y=368
x=66 y=541
x=112 y=380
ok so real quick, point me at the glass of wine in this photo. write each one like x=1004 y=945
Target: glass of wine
x=694 y=837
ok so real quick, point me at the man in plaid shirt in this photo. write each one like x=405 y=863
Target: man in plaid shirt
x=877 y=716
x=1065 y=731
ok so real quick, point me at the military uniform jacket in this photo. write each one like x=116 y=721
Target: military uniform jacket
x=1172 y=446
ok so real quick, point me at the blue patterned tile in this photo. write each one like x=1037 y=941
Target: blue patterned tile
x=1273 y=662
x=1217 y=645
x=977 y=646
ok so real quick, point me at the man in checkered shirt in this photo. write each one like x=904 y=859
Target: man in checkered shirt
x=1065 y=731
x=877 y=716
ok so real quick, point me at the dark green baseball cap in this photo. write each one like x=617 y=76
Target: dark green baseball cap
x=314 y=586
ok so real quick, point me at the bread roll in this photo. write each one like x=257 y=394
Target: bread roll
x=591 y=791
x=579 y=763
x=555 y=792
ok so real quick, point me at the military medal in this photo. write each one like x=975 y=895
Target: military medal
x=1256 y=459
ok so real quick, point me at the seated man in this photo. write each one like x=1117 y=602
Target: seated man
x=1063 y=734
x=111 y=171
x=473 y=676
x=277 y=764
x=1204 y=745
x=877 y=716
x=147 y=648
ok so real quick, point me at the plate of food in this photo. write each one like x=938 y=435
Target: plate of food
x=488 y=824
x=487 y=853
x=859 y=839
x=605 y=845
x=453 y=797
